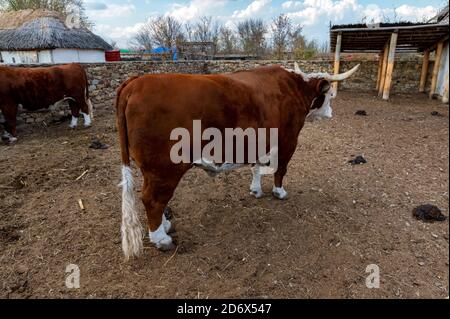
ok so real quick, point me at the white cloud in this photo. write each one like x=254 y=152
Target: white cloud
x=100 y=10
x=407 y=12
x=122 y=35
x=290 y=4
x=314 y=11
x=253 y=8
x=195 y=9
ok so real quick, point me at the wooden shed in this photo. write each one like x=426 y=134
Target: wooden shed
x=390 y=39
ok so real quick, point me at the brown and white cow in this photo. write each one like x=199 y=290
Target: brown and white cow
x=39 y=88
x=151 y=107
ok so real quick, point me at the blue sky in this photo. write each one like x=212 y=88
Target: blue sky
x=120 y=20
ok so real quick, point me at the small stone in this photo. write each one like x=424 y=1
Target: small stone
x=421 y=263
x=22 y=269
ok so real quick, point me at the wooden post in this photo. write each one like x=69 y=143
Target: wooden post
x=390 y=66
x=383 y=69
x=380 y=68
x=445 y=95
x=424 y=75
x=437 y=66
x=337 y=59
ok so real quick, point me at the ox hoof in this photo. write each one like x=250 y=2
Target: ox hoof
x=160 y=239
x=166 y=246
x=9 y=139
x=257 y=193
x=280 y=193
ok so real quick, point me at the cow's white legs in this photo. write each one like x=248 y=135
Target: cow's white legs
x=160 y=238
x=279 y=192
x=74 y=122
x=87 y=119
x=8 y=138
x=255 y=188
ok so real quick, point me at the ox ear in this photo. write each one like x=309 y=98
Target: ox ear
x=323 y=86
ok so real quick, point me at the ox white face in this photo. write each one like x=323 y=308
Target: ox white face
x=326 y=111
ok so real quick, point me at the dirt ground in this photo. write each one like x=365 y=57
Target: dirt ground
x=338 y=220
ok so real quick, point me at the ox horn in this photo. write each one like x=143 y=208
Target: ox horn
x=343 y=76
x=299 y=71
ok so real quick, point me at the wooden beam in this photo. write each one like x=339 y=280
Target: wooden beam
x=390 y=66
x=437 y=66
x=435 y=44
x=380 y=68
x=337 y=59
x=383 y=69
x=424 y=75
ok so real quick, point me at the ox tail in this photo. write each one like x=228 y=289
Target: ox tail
x=88 y=101
x=132 y=232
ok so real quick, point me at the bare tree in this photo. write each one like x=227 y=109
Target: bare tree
x=189 y=32
x=296 y=39
x=281 y=31
x=252 y=36
x=227 y=40
x=143 y=39
x=164 y=31
x=207 y=30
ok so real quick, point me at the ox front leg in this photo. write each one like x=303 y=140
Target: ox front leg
x=155 y=201
x=10 y=115
x=278 y=189
x=256 y=188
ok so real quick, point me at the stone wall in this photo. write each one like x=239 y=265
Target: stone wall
x=106 y=77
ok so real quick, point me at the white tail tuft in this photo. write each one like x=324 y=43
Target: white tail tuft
x=131 y=226
x=91 y=109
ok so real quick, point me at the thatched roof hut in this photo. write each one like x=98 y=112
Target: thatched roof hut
x=42 y=30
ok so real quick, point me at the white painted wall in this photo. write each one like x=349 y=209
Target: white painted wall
x=444 y=71
x=53 y=56
x=91 y=56
x=84 y=56
x=45 y=56
x=19 y=57
x=65 y=56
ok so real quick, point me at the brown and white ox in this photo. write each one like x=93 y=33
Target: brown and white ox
x=39 y=88
x=151 y=107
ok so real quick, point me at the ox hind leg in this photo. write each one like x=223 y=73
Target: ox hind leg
x=156 y=194
x=80 y=106
x=10 y=114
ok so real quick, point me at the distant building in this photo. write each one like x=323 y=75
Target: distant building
x=41 y=36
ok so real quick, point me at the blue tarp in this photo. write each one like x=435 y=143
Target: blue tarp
x=162 y=50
